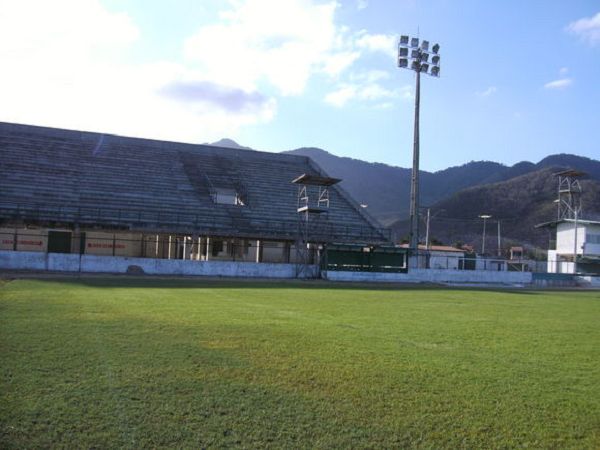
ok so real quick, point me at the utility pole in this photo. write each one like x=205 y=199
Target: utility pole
x=484 y=217
x=499 y=241
x=427 y=222
x=427 y=230
x=575 y=243
x=419 y=62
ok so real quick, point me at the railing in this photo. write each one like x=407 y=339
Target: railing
x=154 y=246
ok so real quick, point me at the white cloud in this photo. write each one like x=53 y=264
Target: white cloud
x=561 y=83
x=338 y=62
x=588 y=29
x=366 y=92
x=67 y=66
x=283 y=43
x=341 y=96
x=362 y=4
x=371 y=76
x=385 y=43
x=563 y=71
x=489 y=91
x=385 y=105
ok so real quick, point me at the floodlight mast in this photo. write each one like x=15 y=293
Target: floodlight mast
x=419 y=62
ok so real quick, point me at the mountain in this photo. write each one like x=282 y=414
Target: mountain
x=520 y=196
x=386 y=189
x=228 y=143
x=519 y=204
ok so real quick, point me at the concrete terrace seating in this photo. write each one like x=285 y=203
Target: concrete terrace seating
x=94 y=179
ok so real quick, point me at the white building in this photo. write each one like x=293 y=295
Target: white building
x=581 y=239
x=440 y=257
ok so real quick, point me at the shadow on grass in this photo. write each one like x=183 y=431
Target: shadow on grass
x=145 y=282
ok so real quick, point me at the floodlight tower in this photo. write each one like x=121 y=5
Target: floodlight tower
x=415 y=57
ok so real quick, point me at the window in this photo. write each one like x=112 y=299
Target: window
x=226 y=196
x=592 y=238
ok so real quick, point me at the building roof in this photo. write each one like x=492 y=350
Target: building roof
x=555 y=223
x=437 y=248
x=570 y=173
x=315 y=180
x=61 y=176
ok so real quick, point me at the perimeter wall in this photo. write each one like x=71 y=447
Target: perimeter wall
x=64 y=262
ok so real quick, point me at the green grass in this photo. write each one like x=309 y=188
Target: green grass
x=187 y=364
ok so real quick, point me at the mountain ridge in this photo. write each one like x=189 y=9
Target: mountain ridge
x=386 y=189
x=520 y=195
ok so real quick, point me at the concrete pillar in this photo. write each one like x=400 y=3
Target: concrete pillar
x=258 y=251
x=207 y=248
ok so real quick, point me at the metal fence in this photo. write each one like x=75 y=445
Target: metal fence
x=163 y=246
x=157 y=246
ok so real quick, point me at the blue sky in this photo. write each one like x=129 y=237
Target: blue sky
x=519 y=79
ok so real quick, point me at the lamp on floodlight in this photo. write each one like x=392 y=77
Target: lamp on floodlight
x=422 y=59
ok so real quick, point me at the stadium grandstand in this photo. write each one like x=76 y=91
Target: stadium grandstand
x=65 y=191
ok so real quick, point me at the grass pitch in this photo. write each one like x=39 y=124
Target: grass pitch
x=187 y=364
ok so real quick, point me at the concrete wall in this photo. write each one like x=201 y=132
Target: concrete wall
x=118 y=264
x=444 y=260
x=565 y=237
x=435 y=276
x=589 y=281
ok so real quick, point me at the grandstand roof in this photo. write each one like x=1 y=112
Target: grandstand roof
x=50 y=175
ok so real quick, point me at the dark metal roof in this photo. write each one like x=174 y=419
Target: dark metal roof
x=314 y=180
x=50 y=175
x=570 y=173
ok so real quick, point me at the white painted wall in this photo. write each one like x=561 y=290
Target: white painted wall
x=565 y=237
x=435 y=276
x=118 y=264
x=552 y=263
x=444 y=260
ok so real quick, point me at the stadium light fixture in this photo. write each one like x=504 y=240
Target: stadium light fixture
x=419 y=62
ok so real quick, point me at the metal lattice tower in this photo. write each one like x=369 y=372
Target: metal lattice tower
x=310 y=214
x=569 y=194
